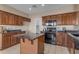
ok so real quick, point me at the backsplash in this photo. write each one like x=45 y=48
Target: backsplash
x=68 y=27
x=25 y=27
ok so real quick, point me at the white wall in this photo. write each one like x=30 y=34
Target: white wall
x=25 y=27
x=35 y=21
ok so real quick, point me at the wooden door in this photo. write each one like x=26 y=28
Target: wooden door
x=41 y=44
x=6 y=41
x=5 y=18
x=20 y=20
x=4 y=44
x=59 y=38
x=0 y=17
x=16 y=20
x=64 y=41
x=70 y=44
x=11 y=19
x=69 y=18
x=13 y=40
x=59 y=19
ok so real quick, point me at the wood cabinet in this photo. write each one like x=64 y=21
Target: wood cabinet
x=61 y=38
x=59 y=19
x=5 y=41
x=18 y=20
x=62 y=19
x=5 y=18
x=45 y=19
x=69 y=18
x=77 y=18
x=11 y=19
x=70 y=44
x=41 y=44
x=9 y=40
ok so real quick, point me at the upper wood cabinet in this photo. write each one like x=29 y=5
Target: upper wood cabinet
x=11 y=19
x=18 y=20
x=45 y=19
x=63 y=19
x=53 y=17
x=69 y=18
x=59 y=19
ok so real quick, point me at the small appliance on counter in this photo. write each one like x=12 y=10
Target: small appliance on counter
x=50 y=32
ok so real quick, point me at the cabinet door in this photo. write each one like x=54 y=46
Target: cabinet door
x=5 y=18
x=11 y=19
x=6 y=41
x=4 y=44
x=69 y=19
x=41 y=44
x=44 y=20
x=16 y=20
x=13 y=40
x=0 y=17
x=59 y=19
x=64 y=41
x=20 y=20
x=53 y=17
x=59 y=38
x=77 y=21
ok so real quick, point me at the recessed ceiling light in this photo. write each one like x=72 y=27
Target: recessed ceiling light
x=30 y=9
x=42 y=4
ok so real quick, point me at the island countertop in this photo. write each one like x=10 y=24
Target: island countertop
x=28 y=35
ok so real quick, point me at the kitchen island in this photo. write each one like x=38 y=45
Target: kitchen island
x=31 y=43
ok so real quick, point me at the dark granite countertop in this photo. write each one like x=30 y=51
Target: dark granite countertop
x=75 y=38
x=29 y=35
x=68 y=31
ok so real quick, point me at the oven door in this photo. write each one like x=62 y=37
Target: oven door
x=50 y=37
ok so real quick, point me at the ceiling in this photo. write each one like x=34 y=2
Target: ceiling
x=36 y=9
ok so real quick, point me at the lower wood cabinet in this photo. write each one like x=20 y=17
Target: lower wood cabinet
x=41 y=44
x=63 y=39
x=70 y=44
x=9 y=40
x=59 y=38
x=5 y=41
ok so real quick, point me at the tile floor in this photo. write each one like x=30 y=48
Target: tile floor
x=12 y=50
x=53 y=49
x=49 y=49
